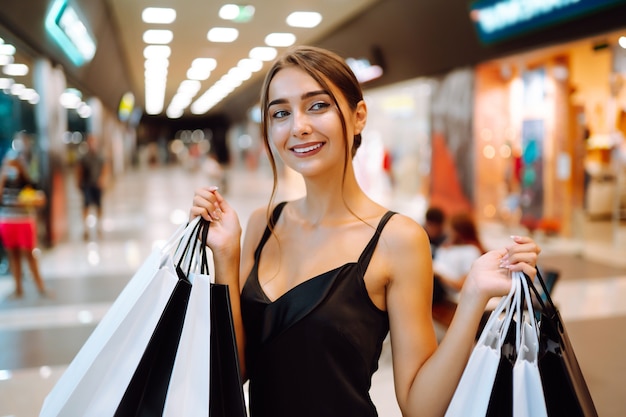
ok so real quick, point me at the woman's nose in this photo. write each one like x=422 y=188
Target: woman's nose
x=301 y=124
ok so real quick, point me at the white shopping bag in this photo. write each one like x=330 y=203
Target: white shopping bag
x=471 y=397
x=528 y=398
x=97 y=377
x=188 y=391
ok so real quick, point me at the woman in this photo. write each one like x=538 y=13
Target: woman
x=18 y=228
x=334 y=271
x=455 y=257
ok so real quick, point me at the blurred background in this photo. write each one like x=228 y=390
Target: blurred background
x=512 y=110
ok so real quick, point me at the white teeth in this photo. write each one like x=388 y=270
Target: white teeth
x=307 y=149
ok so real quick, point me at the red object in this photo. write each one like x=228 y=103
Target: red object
x=18 y=233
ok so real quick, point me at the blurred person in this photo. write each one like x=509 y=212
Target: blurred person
x=91 y=175
x=434 y=225
x=325 y=277
x=18 y=222
x=454 y=259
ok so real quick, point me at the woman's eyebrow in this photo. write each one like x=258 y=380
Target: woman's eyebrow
x=303 y=97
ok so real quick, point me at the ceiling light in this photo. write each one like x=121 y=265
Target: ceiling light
x=197 y=73
x=156 y=73
x=84 y=111
x=161 y=15
x=263 y=53
x=6 y=59
x=155 y=96
x=157 y=52
x=208 y=64
x=174 y=113
x=280 y=39
x=240 y=73
x=252 y=65
x=71 y=98
x=622 y=42
x=16 y=89
x=27 y=94
x=15 y=70
x=156 y=63
x=7 y=49
x=304 y=19
x=222 y=34
x=159 y=36
x=237 y=13
x=6 y=83
x=189 y=87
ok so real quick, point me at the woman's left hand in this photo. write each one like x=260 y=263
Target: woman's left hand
x=490 y=275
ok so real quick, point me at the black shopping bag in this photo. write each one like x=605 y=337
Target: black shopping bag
x=565 y=390
x=147 y=390
x=501 y=400
x=564 y=385
x=226 y=391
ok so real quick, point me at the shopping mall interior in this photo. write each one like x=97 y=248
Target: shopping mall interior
x=521 y=121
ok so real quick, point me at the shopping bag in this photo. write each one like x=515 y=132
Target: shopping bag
x=472 y=395
x=501 y=399
x=226 y=391
x=205 y=378
x=147 y=391
x=96 y=379
x=564 y=386
x=188 y=392
x=528 y=398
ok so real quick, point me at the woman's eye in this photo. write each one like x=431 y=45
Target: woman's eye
x=319 y=106
x=279 y=114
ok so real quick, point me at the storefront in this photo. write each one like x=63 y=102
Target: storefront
x=550 y=128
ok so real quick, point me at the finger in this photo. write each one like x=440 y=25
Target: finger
x=221 y=203
x=526 y=243
x=205 y=204
x=527 y=269
x=513 y=258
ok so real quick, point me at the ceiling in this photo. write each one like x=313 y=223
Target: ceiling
x=413 y=38
x=195 y=18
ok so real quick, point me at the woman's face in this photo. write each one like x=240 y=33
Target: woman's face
x=305 y=125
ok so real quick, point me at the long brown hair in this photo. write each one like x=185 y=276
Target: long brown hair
x=325 y=67
x=465 y=231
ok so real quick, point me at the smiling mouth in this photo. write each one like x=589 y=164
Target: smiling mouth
x=307 y=148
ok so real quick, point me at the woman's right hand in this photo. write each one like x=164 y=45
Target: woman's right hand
x=225 y=231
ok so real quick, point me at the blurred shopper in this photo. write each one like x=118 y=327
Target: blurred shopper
x=325 y=277
x=91 y=175
x=454 y=259
x=434 y=225
x=18 y=220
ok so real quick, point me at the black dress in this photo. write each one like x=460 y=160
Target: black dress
x=312 y=352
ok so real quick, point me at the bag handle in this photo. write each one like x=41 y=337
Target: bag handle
x=204 y=265
x=506 y=303
x=525 y=293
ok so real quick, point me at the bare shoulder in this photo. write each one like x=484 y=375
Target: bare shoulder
x=405 y=249
x=403 y=233
x=256 y=225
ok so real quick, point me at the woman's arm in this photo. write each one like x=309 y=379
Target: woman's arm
x=426 y=375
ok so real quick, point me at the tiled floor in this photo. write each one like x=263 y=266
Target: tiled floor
x=39 y=337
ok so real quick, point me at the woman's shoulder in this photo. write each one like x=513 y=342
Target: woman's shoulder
x=404 y=232
x=258 y=220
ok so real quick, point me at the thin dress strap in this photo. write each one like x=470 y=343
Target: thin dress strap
x=268 y=229
x=366 y=256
